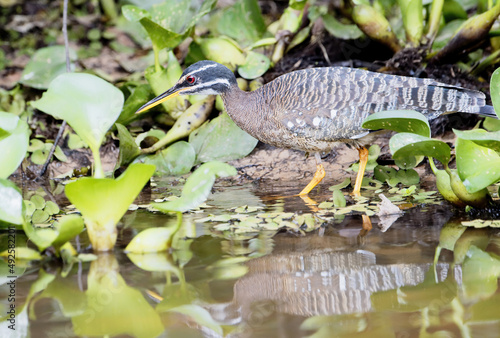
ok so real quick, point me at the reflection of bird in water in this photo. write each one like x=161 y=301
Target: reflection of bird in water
x=312 y=109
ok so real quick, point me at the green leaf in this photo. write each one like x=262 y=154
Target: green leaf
x=480 y=274
x=481 y=137
x=339 y=200
x=491 y=124
x=45 y=65
x=197 y=188
x=14 y=143
x=177 y=159
x=405 y=145
x=23 y=253
x=11 y=203
x=89 y=104
x=51 y=208
x=124 y=313
x=139 y=95
x=400 y=121
x=199 y=315
x=495 y=91
x=340 y=30
x=42 y=237
x=67 y=228
x=39 y=216
x=104 y=201
x=243 y=21
x=134 y=13
x=152 y=240
x=478 y=166
x=223 y=51
x=128 y=148
x=255 y=65
x=38 y=201
x=221 y=140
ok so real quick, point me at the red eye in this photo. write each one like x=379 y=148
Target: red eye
x=190 y=79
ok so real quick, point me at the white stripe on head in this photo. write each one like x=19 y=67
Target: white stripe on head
x=202 y=68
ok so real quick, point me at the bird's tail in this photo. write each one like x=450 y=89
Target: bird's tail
x=487 y=111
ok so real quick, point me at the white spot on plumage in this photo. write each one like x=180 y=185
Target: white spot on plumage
x=290 y=124
x=316 y=121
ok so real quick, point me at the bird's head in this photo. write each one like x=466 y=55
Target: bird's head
x=201 y=78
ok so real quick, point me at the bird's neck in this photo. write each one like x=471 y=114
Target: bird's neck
x=239 y=106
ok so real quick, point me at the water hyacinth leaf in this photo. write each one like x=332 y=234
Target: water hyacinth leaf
x=11 y=203
x=104 y=201
x=128 y=148
x=223 y=51
x=400 y=121
x=384 y=173
x=138 y=96
x=221 y=140
x=404 y=145
x=200 y=315
x=449 y=235
x=341 y=185
x=243 y=21
x=478 y=166
x=255 y=65
x=152 y=240
x=168 y=23
x=481 y=137
x=491 y=124
x=89 y=104
x=23 y=253
x=178 y=159
x=340 y=30
x=42 y=237
x=125 y=311
x=197 y=188
x=495 y=91
x=134 y=13
x=480 y=274
x=67 y=228
x=14 y=143
x=45 y=65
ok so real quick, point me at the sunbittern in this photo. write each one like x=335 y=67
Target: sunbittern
x=312 y=109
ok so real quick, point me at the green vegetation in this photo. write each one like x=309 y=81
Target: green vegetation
x=183 y=134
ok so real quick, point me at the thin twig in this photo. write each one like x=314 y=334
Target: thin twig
x=68 y=69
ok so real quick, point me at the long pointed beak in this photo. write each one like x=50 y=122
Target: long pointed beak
x=172 y=92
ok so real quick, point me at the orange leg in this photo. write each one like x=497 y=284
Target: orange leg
x=318 y=176
x=363 y=159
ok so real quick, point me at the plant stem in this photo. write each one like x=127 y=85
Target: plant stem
x=98 y=172
x=68 y=69
x=156 y=52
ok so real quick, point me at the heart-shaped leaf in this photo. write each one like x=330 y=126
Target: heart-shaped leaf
x=404 y=145
x=11 y=203
x=178 y=159
x=243 y=21
x=89 y=104
x=45 y=65
x=221 y=140
x=125 y=311
x=478 y=166
x=14 y=143
x=255 y=65
x=103 y=201
x=481 y=137
x=168 y=23
x=400 y=121
x=152 y=240
x=197 y=188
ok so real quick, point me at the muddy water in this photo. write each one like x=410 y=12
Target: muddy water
x=329 y=282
